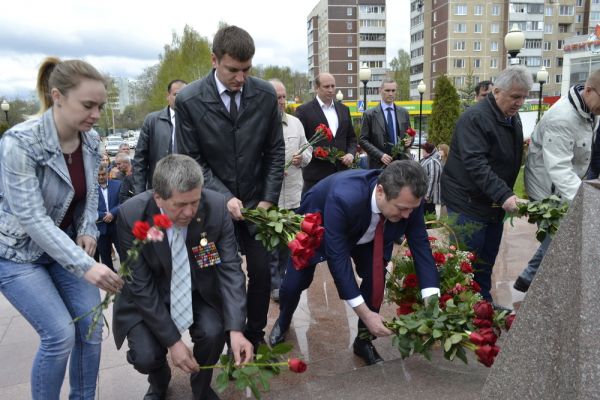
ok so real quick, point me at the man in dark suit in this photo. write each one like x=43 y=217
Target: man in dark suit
x=156 y=139
x=384 y=127
x=324 y=110
x=361 y=208
x=229 y=123
x=108 y=206
x=152 y=311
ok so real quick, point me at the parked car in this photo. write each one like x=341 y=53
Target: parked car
x=112 y=146
x=132 y=142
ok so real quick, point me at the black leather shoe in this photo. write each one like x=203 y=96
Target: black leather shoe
x=153 y=394
x=365 y=350
x=277 y=335
x=521 y=285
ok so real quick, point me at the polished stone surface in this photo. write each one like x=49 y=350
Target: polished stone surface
x=322 y=333
x=552 y=351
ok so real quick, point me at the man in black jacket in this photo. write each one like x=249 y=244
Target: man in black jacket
x=156 y=139
x=477 y=181
x=230 y=124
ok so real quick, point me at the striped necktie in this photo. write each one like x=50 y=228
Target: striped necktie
x=181 y=283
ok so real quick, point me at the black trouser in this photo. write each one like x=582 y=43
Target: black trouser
x=148 y=356
x=259 y=282
x=105 y=242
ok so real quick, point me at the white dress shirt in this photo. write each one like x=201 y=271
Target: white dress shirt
x=331 y=115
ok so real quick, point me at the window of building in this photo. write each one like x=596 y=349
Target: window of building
x=459 y=80
x=549 y=11
x=461 y=9
x=533 y=61
x=518 y=8
x=559 y=44
x=559 y=61
x=547 y=46
x=348 y=25
x=349 y=52
x=433 y=67
x=546 y=62
x=350 y=79
x=434 y=16
x=349 y=39
x=564 y=28
x=477 y=45
x=595 y=15
x=494 y=46
x=460 y=28
x=565 y=10
x=433 y=51
x=434 y=34
x=495 y=28
x=478 y=9
x=548 y=28
x=478 y=28
x=477 y=63
x=349 y=11
x=558 y=78
x=459 y=63
x=534 y=26
x=535 y=9
x=533 y=43
x=579 y=3
x=579 y=18
x=350 y=93
x=460 y=45
x=496 y=10
x=349 y=66
x=494 y=63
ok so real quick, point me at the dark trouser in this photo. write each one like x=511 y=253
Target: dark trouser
x=278 y=264
x=148 y=356
x=259 y=283
x=484 y=241
x=294 y=282
x=105 y=242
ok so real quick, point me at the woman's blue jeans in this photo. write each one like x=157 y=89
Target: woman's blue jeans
x=49 y=297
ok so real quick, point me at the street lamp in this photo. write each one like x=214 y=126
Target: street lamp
x=421 y=88
x=514 y=41
x=542 y=77
x=339 y=96
x=5 y=107
x=364 y=75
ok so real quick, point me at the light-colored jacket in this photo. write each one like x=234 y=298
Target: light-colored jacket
x=560 y=149
x=433 y=169
x=35 y=193
x=291 y=189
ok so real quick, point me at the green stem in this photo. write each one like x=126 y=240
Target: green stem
x=278 y=364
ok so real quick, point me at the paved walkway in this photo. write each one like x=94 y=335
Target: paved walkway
x=322 y=333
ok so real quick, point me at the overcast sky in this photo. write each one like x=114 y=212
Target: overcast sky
x=123 y=37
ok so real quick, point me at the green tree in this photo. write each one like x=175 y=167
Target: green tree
x=296 y=83
x=445 y=111
x=109 y=116
x=466 y=93
x=400 y=67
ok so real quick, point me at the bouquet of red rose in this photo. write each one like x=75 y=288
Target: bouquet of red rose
x=459 y=320
x=144 y=233
x=281 y=227
x=321 y=132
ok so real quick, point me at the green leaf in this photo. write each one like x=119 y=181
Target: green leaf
x=281 y=348
x=447 y=344
x=222 y=381
x=437 y=334
x=456 y=338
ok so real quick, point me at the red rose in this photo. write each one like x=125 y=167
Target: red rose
x=140 y=230
x=486 y=354
x=410 y=281
x=509 y=321
x=300 y=262
x=471 y=257
x=411 y=132
x=439 y=258
x=488 y=335
x=314 y=218
x=475 y=286
x=308 y=227
x=483 y=310
x=405 y=308
x=482 y=323
x=296 y=365
x=445 y=297
x=466 y=268
x=477 y=339
x=162 y=221
x=295 y=246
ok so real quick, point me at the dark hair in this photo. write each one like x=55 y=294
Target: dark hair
x=235 y=42
x=428 y=147
x=175 y=81
x=176 y=172
x=400 y=174
x=483 y=85
x=64 y=76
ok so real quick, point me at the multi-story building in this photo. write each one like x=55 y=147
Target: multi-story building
x=342 y=36
x=464 y=39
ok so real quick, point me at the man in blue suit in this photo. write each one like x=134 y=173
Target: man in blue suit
x=108 y=205
x=360 y=208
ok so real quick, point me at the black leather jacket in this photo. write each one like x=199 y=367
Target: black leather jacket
x=242 y=158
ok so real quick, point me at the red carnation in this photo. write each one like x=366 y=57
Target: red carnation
x=445 y=297
x=475 y=286
x=410 y=281
x=509 y=321
x=321 y=152
x=140 y=230
x=162 y=221
x=483 y=310
x=439 y=258
x=296 y=365
x=466 y=268
x=471 y=257
x=411 y=132
x=405 y=308
x=486 y=354
x=325 y=131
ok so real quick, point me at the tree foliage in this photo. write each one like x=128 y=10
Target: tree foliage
x=467 y=92
x=445 y=111
x=400 y=67
x=296 y=83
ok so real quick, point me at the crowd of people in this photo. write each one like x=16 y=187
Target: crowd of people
x=219 y=146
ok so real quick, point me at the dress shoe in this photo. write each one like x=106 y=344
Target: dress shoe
x=154 y=394
x=500 y=308
x=277 y=335
x=365 y=350
x=521 y=285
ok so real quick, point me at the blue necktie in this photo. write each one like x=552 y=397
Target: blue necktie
x=390 y=126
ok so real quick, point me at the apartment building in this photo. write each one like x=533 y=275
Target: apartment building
x=342 y=36
x=464 y=39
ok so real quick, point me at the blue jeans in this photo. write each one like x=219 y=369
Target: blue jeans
x=49 y=297
x=532 y=266
x=484 y=241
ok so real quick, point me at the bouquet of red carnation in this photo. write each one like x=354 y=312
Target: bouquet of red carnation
x=321 y=132
x=411 y=132
x=330 y=154
x=143 y=233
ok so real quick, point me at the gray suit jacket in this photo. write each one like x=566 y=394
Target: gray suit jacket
x=146 y=297
x=374 y=138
